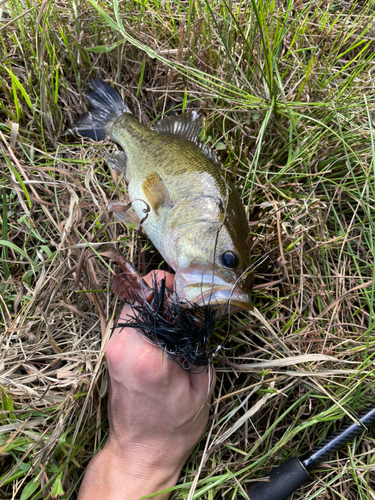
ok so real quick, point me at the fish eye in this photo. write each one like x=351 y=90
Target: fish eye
x=229 y=259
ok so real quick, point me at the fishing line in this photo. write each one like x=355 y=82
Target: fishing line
x=252 y=266
x=227 y=304
x=217 y=235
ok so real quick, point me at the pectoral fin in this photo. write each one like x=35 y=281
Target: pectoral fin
x=118 y=163
x=156 y=193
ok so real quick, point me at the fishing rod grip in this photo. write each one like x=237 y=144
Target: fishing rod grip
x=282 y=482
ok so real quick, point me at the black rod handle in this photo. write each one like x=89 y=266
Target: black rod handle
x=282 y=482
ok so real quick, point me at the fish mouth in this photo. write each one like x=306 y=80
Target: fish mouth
x=223 y=298
x=219 y=294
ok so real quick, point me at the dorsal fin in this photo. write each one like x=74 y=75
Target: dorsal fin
x=186 y=126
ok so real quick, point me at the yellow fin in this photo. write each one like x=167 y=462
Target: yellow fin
x=156 y=193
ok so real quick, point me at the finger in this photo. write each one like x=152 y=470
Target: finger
x=126 y=316
x=157 y=276
x=129 y=354
x=126 y=343
x=129 y=347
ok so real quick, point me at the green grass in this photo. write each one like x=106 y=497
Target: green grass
x=288 y=95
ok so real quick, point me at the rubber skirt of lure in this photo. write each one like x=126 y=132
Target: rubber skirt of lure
x=183 y=331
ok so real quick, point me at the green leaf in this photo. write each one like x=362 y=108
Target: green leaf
x=24 y=467
x=99 y=48
x=141 y=77
x=17 y=249
x=185 y=100
x=20 y=87
x=57 y=486
x=220 y=146
x=46 y=250
x=19 y=179
x=52 y=468
x=117 y=14
x=11 y=415
x=105 y=48
x=29 y=489
x=4 y=253
x=10 y=479
x=293 y=244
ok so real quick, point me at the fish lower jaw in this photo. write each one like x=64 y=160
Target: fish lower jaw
x=220 y=298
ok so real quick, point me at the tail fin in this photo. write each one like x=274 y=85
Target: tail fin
x=104 y=105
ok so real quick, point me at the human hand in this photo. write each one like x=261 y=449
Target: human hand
x=157 y=414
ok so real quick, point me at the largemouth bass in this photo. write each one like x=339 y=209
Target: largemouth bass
x=196 y=219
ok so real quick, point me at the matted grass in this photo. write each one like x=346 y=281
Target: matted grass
x=287 y=90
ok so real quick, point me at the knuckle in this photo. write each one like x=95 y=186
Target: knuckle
x=116 y=349
x=152 y=364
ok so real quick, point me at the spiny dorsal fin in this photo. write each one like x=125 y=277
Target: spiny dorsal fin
x=186 y=126
x=155 y=191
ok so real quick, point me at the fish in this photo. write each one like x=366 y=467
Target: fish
x=195 y=217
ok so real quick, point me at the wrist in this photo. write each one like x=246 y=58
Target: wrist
x=127 y=476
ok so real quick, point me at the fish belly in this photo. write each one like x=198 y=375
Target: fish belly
x=154 y=224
